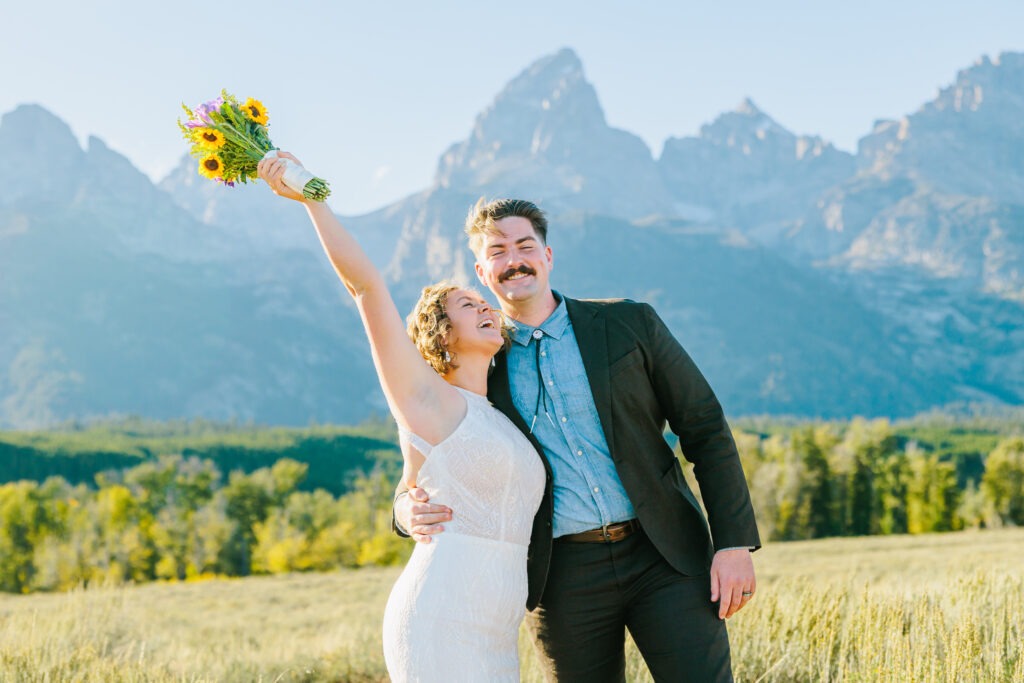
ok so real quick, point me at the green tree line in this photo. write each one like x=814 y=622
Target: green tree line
x=78 y=453
x=177 y=518
x=820 y=480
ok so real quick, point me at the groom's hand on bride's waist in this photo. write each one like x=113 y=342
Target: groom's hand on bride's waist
x=418 y=517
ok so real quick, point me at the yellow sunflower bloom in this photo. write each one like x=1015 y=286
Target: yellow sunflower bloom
x=209 y=138
x=211 y=166
x=255 y=111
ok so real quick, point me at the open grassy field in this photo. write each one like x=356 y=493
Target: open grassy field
x=944 y=607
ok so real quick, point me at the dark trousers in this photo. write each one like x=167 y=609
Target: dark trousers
x=597 y=590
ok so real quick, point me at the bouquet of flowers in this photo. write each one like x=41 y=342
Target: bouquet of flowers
x=229 y=140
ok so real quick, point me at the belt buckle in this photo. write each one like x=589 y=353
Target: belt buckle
x=604 y=533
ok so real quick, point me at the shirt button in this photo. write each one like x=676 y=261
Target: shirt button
x=544 y=353
x=550 y=383
x=597 y=490
x=565 y=419
x=537 y=334
x=579 y=452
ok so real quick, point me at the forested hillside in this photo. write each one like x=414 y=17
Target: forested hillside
x=333 y=454
x=139 y=501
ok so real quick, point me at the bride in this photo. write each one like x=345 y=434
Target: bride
x=454 y=613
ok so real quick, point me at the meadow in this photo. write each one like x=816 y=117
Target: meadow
x=927 y=607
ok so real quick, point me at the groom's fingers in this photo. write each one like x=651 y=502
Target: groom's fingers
x=428 y=509
x=424 y=517
x=430 y=519
x=725 y=604
x=714 y=584
x=737 y=599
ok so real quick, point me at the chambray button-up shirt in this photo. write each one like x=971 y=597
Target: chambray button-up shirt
x=550 y=390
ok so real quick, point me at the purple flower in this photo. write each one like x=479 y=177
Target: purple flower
x=202 y=113
x=229 y=183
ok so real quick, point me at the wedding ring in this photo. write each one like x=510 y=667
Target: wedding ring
x=747 y=595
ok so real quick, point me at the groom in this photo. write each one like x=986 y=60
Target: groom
x=619 y=540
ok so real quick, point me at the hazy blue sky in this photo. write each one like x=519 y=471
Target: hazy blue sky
x=370 y=94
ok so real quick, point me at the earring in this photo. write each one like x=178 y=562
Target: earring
x=492 y=361
x=447 y=356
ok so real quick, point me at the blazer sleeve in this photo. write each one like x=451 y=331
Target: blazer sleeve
x=696 y=417
x=395 y=526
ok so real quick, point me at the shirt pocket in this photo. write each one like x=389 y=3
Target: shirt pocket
x=630 y=359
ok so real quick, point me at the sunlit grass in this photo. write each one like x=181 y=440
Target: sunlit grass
x=946 y=607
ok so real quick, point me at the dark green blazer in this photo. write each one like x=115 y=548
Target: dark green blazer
x=642 y=378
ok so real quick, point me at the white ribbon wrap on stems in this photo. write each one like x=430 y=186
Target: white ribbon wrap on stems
x=295 y=176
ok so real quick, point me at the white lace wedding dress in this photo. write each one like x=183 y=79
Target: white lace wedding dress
x=454 y=613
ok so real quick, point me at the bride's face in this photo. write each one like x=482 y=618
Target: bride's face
x=476 y=327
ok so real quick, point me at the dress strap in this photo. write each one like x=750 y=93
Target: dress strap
x=421 y=444
x=417 y=442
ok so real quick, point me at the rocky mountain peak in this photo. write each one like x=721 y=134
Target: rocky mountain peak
x=545 y=137
x=550 y=95
x=748 y=108
x=114 y=172
x=35 y=126
x=744 y=168
x=744 y=125
x=549 y=72
x=554 y=84
x=41 y=155
x=978 y=121
x=988 y=82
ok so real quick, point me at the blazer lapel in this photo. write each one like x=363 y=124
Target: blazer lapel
x=500 y=394
x=588 y=325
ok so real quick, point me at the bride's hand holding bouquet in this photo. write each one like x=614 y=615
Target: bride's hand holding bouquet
x=272 y=171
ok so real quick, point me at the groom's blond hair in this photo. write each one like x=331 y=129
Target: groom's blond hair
x=483 y=216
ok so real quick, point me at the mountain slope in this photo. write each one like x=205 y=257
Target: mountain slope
x=802 y=280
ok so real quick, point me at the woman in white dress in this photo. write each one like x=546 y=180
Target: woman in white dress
x=454 y=613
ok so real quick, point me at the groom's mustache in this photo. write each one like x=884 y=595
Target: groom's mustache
x=525 y=270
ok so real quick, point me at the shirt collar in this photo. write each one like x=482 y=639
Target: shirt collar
x=553 y=327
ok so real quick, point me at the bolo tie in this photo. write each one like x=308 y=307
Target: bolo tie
x=542 y=393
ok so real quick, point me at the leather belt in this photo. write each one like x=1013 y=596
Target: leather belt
x=609 y=533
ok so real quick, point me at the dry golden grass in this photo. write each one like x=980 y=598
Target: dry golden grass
x=946 y=607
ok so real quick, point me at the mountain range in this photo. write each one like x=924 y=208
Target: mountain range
x=804 y=280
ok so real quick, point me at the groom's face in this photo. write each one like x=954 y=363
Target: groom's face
x=514 y=263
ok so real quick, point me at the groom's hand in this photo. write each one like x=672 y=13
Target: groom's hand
x=420 y=518
x=732 y=575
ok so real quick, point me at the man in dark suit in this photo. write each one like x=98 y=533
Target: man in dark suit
x=619 y=540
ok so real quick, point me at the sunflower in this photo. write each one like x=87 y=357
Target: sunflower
x=208 y=138
x=211 y=166
x=255 y=111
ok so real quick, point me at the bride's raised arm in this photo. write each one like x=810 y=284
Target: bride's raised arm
x=417 y=395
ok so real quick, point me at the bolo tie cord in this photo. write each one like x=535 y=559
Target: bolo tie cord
x=542 y=393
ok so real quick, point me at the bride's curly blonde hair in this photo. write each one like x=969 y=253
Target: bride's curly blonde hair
x=428 y=325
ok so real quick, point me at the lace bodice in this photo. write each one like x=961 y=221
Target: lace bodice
x=486 y=471
x=454 y=613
